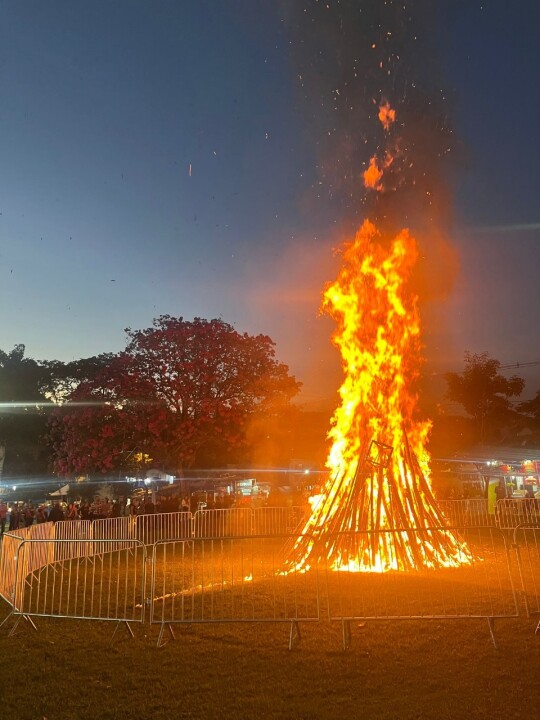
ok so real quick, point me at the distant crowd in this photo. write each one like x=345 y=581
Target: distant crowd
x=20 y=516
x=26 y=514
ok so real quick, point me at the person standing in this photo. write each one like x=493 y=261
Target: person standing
x=14 y=518
x=3 y=516
x=56 y=513
x=106 y=508
x=72 y=512
x=29 y=515
x=500 y=490
x=85 y=510
x=41 y=515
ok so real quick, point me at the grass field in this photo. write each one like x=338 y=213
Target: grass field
x=395 y=669
x=402 y=669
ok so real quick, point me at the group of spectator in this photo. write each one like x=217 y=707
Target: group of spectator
x=25 y=515
x=21 y=516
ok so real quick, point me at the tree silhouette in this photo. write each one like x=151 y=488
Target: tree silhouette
x=22 y=420
x=485 y=394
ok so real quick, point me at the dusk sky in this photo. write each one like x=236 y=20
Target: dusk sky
x=156 y=159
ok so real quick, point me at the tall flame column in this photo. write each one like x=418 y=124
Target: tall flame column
x=378 y=493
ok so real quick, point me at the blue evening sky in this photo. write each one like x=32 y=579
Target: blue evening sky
x=153 y=159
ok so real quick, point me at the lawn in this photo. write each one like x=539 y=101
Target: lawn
x=402 y=669
x=394 y=669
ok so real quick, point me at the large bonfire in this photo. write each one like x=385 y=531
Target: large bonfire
x=377 y=511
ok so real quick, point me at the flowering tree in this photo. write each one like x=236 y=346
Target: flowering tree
x=181 y=392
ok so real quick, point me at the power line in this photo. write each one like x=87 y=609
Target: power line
x=519 y=365
x=514 y=366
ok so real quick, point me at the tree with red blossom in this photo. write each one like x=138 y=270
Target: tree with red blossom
x=182 y=392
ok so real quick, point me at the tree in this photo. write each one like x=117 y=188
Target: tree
x=22 y=420
x=485 y=394
x=59 y=379
x=530 y=410
x=27 y=387
x=103 y=422
x=181 y=392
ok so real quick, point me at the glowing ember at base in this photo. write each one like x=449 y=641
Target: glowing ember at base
x=377 y=512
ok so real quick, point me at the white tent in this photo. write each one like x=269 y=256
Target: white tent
x=62 y=491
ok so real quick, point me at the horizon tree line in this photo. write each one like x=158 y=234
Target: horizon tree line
x=197 y=393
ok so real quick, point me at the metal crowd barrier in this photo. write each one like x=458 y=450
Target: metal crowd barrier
x=233 y=522
x=152 y=528
x=108 y=585
x=517 y=511
x=527 y=544
x=63 y=570
x=507 y=514
x=120 y=529
x=235 y=579
x=467 y=513
x=77 y=532
x=483 y=588
x=277 y=520
x=10 y=573
x=241 y=522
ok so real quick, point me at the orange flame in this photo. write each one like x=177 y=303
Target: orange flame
x=379 y=466
x=387 y=115
x=378 y=336
x=373 y=175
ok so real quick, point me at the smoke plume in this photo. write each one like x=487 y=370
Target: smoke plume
x=356 y=60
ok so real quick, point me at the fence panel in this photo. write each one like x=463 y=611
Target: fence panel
x=163 y=526
x=106 y=586
x=120 y=529
x=10 y=544
x=518 y=511
x=527 y=543
x=9 y=558
x=75 y=531
x=277 y=520
x=229 y=580
x=232 y=522
x=481 y=589
x=467 y=513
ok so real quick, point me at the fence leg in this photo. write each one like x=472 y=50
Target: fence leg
x=29 y=619
x=294 y=635
x=523 y=590
x=346 y=628
x=491 y=624
x=20 y=617
x=4 y=621
x=11 y=633
x=160 y=641
x=128 y=626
